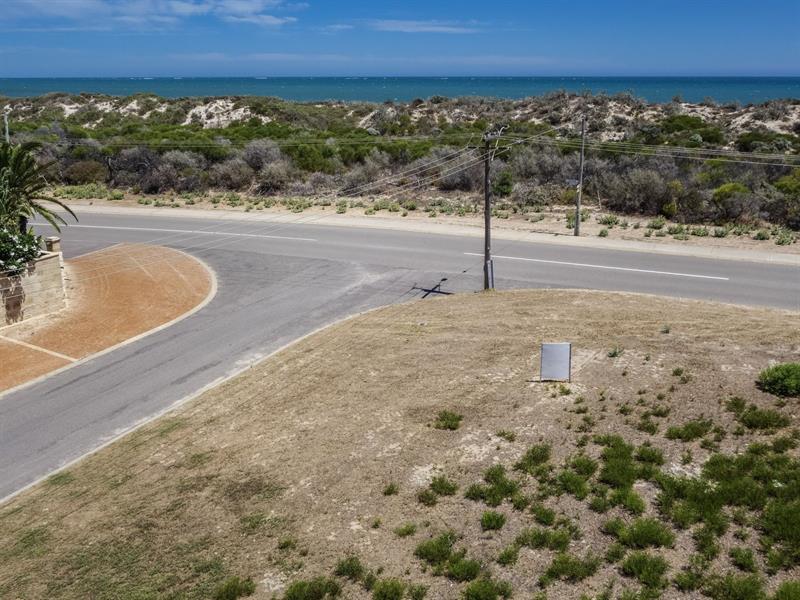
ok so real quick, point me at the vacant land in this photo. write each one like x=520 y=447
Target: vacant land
x=411 y=451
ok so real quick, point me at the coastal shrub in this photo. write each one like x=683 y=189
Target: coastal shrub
x=388 y=589
x=648 y=569
x=487 y=589
x=350 y=568
x=233 y=588
x=448 y=420
x=491 y=520
x=85 y=171
x=781 y=380
x=320 y=588
x=233 y=174
x=569 y=568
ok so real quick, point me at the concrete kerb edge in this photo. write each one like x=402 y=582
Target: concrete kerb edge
x=209 y=297
x=178 y=403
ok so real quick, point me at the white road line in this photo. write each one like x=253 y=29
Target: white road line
x=39 y=349
x=194 y=232
x=572 y=264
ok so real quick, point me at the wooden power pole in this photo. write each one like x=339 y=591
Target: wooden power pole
x=580 y=179
x=488 y=282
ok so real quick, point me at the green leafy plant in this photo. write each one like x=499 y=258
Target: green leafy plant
x=781 y=380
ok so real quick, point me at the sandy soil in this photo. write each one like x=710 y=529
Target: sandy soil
x=113 y=295
x=279 y=473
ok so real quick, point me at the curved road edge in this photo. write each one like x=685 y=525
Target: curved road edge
x=214 y=287
x=178 y=403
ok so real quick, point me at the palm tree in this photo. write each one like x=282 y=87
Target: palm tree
x=22 y=189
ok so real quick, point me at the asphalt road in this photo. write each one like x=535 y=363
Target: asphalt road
x=278 y=282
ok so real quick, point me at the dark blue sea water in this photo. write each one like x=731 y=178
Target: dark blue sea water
x=377 y=89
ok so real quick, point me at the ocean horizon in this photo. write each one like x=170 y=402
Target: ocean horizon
x=744 y=90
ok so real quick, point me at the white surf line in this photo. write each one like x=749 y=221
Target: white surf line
x=39 y=349
x=194 y=232
x=605 y=267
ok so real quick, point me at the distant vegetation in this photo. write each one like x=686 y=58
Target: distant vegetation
x=267 y=147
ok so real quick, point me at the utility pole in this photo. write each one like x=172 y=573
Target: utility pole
x=488 y=267
x=580 y=178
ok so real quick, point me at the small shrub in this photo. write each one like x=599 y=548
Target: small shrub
x=615 y=352
x=788 y=590
x=506 y=435
x=743 y=559
x=603 y=233
x=756 y=418
x=417 y=592
x=448 y=420
x=461 y=568
x=315 y=589
x=693 y=430
x=487 y=589
x=349 y=568
x=648 y=569
x=570 y=568
x=442 y=486
x=509 y=555
x=533 y=458
x=644 y=533
x=406 y=530
x=735 y=587
x=436 y=551
x=427 y=497
x=388 y=589
x=781 y=380
x=543 y=515
x=491 y=520
x=650 y=455
x=391 y=489
x=233 y=588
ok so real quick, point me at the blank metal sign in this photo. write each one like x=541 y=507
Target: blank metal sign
x=556 y=362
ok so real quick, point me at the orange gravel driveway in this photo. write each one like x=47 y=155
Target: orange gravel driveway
x=113 y=295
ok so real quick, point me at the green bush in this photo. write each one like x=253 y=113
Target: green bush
x=349 y=568
x=781 y=380
x=442 y=486
x=788 y=590
x=388 y=589
x=570 y=568
x=436 y=551
x=648 y=569
x=233 y=588
x=690 y=431
x=533 y=458
x=757 y=418
x=448 y=420
x=736 y=587
x=315 y=589
x=461 y=568
x=491 y=520
x=487 y=589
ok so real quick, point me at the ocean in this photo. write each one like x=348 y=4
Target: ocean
x=744 y=90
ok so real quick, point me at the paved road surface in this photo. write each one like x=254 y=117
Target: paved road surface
x=278 y=282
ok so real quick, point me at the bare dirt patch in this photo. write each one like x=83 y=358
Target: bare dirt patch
x=113 y=295
x=282 y=472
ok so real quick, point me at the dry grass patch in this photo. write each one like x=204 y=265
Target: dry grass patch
x=279 y=475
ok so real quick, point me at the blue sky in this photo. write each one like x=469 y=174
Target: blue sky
x=43 y=38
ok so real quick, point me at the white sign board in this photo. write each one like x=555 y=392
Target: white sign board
x=556 y=364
